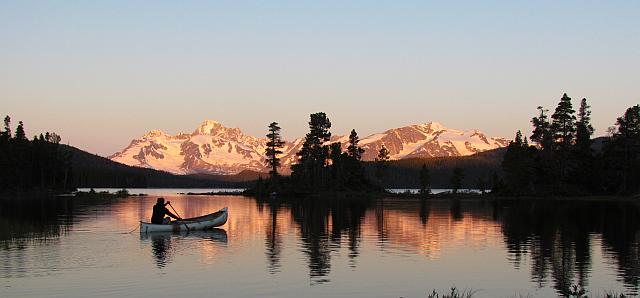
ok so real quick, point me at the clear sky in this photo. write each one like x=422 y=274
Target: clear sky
x=101 y=73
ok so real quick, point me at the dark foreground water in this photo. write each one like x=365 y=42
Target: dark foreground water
x=328 y=248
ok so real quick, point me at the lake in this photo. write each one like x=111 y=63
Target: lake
x=69 y=247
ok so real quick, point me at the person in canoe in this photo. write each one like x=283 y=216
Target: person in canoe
x=159 y=212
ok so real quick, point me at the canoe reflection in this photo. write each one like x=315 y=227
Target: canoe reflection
x=164 y=244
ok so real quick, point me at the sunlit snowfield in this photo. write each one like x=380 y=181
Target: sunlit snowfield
x=328 y=248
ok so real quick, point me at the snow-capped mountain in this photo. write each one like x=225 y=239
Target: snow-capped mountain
x=216 y=149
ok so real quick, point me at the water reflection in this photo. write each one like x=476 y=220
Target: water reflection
x=558 y=237
x=555 y=243
x=164 y=244
x=323 y=225
x=34 y=218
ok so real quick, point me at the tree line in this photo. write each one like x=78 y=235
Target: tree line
x=559 y=157
x=32 y=164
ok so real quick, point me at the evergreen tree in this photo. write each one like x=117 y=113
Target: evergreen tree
x=383 y=154
x=309 y=171
x=625 y=151
x=584 y=130
x=425 y=180
x=20 y=135
x=563 y=124
x=381 y=162
x=582 y=174
x=6 y=133
x=354 y=150
x=337 y=164
x=456 y=179
x=518 y=166
x=542 y=134
x=274 y=144
x=629 y=124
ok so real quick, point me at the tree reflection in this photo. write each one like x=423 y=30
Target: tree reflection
x=273 y=241
x=558 y=237
x=323 y=224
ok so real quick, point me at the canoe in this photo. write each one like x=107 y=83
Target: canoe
x=204 y=222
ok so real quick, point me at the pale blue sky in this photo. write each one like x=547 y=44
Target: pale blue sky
x=101 y=73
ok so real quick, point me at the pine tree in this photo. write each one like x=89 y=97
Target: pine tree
x=274 y=144
x=337 y=165
x=353 y=150
x=381 y=162
x=621 y=155
x=425 y=180
x=6 y=134
x=456 y=179
x=542 y=130
x=518 y=166
x=584 y=130
x=20 y=134
x=629 y=123
x=563 y=123
x=629 y=139
x=383 y=154
x=582 y=174
x=309 y=171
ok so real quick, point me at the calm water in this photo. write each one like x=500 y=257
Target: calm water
x=329 y=248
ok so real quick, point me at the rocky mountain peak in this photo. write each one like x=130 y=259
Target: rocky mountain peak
x=154 y=133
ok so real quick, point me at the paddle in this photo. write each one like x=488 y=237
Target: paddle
x=174 y=210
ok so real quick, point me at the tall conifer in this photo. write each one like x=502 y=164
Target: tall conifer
x=584 y=130
x=274 y=144
x=354 y=150
x=563 y=124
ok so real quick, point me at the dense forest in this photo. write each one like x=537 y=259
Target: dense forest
x=32 y=164
x=42 y=164
x=562 y=159
x=479 y=171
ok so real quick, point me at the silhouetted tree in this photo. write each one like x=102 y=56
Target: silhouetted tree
x=425 y=180
x=20 y=135
x=381 y=162
x=563 y=124
x=518 y=166
x=6 y=133
x=354 y=150
x=337 y=164
x=542 y=134
x=456 y=179
x=28 y=164
x=545 y=165
x=309 y=171
x=622 y=154
x=583 y=175
x=584 y=130
x=629 y=123
x=274 y=144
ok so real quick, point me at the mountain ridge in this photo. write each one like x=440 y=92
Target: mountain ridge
x=213 y=148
